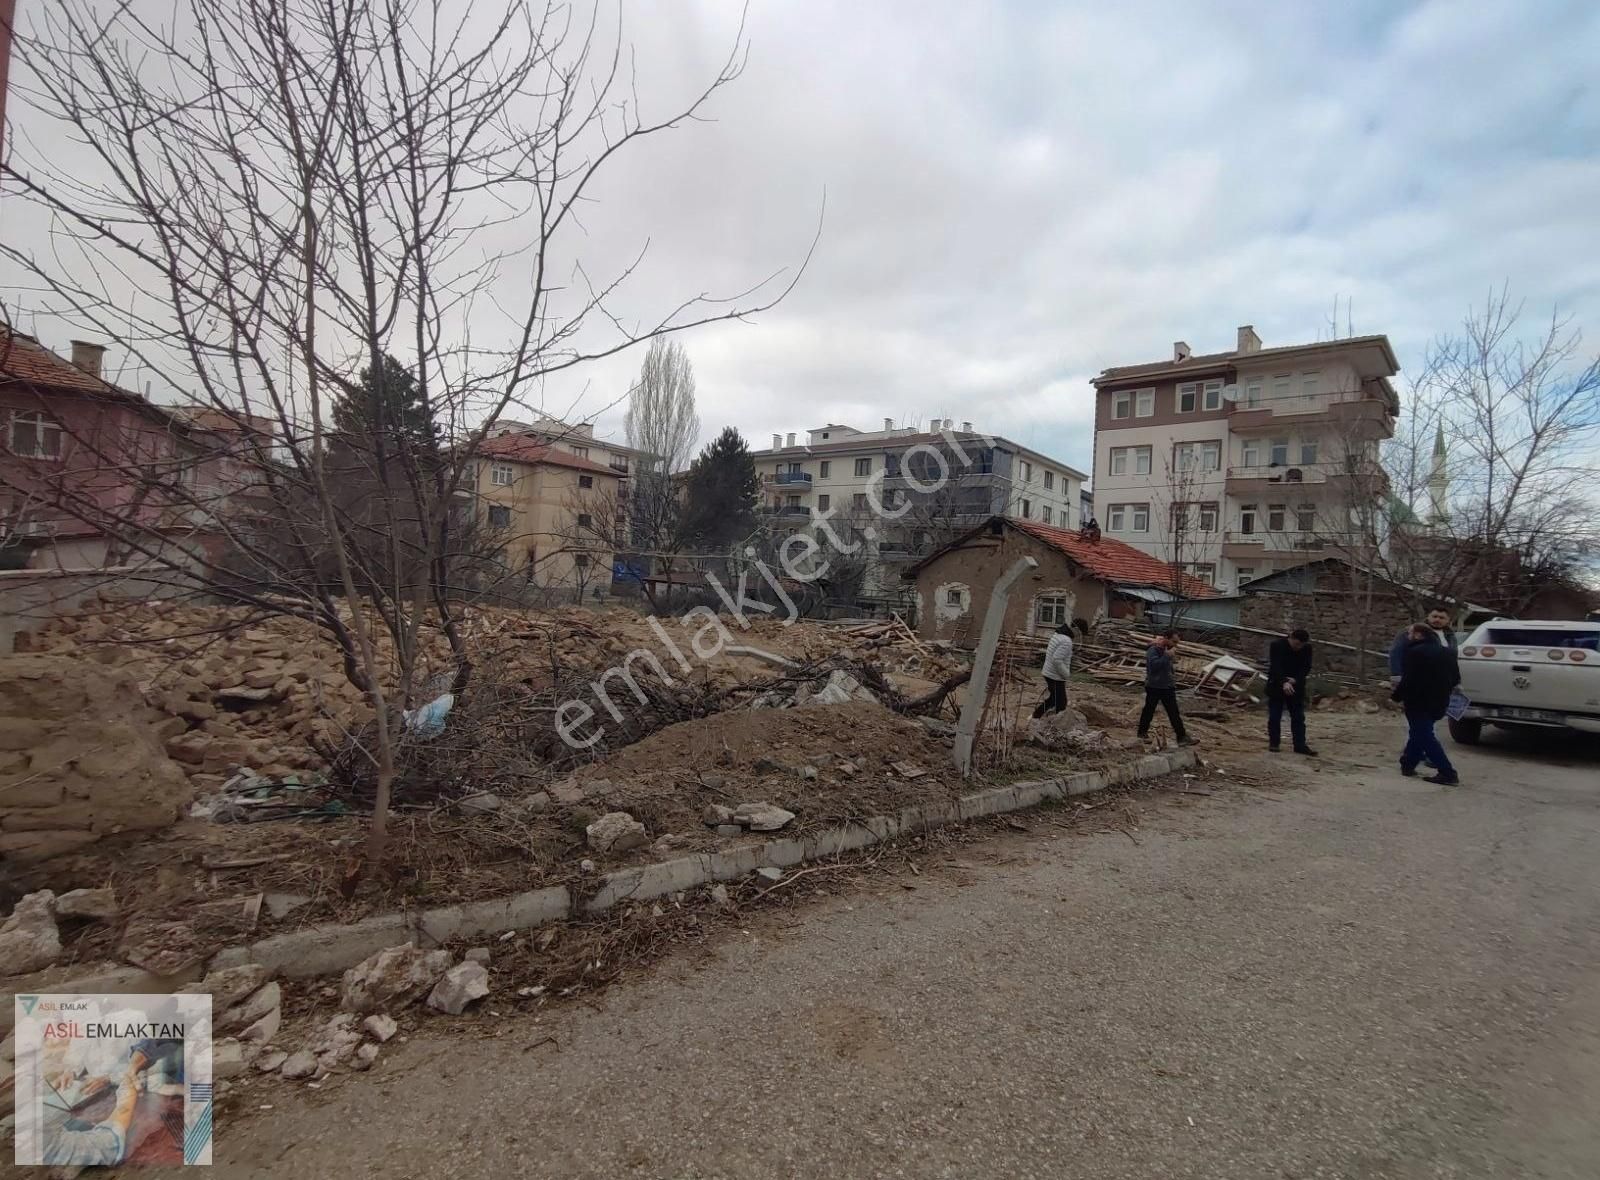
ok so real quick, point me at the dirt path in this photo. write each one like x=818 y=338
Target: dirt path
x=1368 y=976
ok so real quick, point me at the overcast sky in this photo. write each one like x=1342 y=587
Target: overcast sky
x=1019 y=195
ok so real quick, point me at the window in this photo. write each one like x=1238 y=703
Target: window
x=499 y=516
x=35 y=435
x=952 y=596
x=1121 y=405
x=1250 y=453
x=1027 y=472
x=823 y=501
x=795 y=469
x=619 y=463
x=1247 y=520
x=1281 y=388
x=1211 y=456
x=1027 y=509
x=1275 y=517
x=791 y=501
x=1308 y=452
x=1144 y=403
x=1206 y=456
x=1309 y=383
x=1204 y=570
x=1280 y=452
x=1117 y=517
x=826 y=467
x=1208 y=517
x=1247 y=573
x=502 y=475
x=586 y=481
x=859 y=501
x=585 y=520
x=1049 y=480
x=581 y=452
x=1188 y=397
x=864 y=467
x=1305 y=518
x=1141 y=460
x=1252 y=393
x=1140 y=517
x=1045 y=514
x=1179 y=522
x=1050 y=610
x=1211 y=396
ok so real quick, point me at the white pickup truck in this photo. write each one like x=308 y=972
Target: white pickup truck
x=1521 y=672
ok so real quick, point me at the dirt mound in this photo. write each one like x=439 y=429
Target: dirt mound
x=79 y=759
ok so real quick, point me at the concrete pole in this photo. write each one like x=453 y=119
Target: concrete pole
x=978 y=687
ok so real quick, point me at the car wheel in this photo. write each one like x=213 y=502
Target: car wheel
x=1468 y=733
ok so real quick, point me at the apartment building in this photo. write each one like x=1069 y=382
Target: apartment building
x=577 y=439
x=1236 y=464
x=840 y=470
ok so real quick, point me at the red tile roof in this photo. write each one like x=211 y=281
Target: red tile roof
x=1112 y=560
x=521 y=449
x=22 y=358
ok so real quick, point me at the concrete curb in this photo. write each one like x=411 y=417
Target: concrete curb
x=322 y=950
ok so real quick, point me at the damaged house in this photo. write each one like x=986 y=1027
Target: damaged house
x=1081 y=575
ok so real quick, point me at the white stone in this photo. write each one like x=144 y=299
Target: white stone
x=299 y=1065
x=478 y=954
x=715 y=814
x=254 y=1007
x=482 y=804
x=616 y=831
x=768 y=873
x=380 y=1027
x=761 y=817
x=87 y=903
x=393 y=977
x=29 y=939
x=263 y=1030
x=271 y=1061
x=461 y=985
x=229 y=1058
x=365 y=1056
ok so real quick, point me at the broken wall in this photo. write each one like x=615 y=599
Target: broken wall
x=970 y=572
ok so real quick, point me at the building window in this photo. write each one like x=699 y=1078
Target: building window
x=1305 y=518
x=863 y=467
x=1250 y=453
x=1049 y=481
x=1051 y=610
x=1205 y=571
x=1280 y=452
x=1045 y=514
x=859 y=501
x=1310 y=384
x=826 y=467
x=1282 y=390
x=499 y=516
x=1144 y=404
x=35 y=435
x=1027 y=509
x=1188 y=397
x=792 y=501
x=581 y=452
x=1247 y=573
x=1141 y=518
x=619 y=463
x=952 y=596
x=822 y=502
x=1208 y=518
x=1178 y=521
x=1247 y=520
x=1211 y=396
x=1136 y=458
x=1121 y=405
x=1206 y=456
x=502 y=475
x=585 y=520
x=1252 y=394
x=586 y=481
x=1308 y=452
x=1117 y=518
x=1276 y=514
x=581 y=561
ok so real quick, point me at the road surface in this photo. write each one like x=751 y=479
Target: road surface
x=1364 y=976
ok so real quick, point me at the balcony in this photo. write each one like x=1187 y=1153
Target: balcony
x=790 y=478
x=785 y=510
x=1356 y=415
x=1310 y=478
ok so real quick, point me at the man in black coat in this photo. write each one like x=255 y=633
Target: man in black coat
x=1288 y=665
x=1428 y=672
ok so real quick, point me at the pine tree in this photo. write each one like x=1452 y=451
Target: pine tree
x=393 y=406
x=722 y=493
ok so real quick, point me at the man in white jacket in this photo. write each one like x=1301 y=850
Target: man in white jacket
x=1057 y=670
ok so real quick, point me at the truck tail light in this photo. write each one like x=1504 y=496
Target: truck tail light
x=1487 y=653
x=1469 y=651
x=1577 y=656
x=1555 y=653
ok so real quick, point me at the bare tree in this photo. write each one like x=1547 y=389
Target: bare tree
x=661 y=419
x=278 y=196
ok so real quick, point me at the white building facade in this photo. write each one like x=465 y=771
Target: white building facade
x=1240 y=463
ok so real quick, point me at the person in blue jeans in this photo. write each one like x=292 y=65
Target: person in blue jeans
x=1288 y=667
x=1428 y=674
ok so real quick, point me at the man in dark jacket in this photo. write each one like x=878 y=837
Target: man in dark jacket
x=1288 y=665
x=1427 y=674
x=1438 y=630
x=1161 y=687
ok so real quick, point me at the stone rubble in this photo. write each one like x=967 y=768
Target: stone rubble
x=380 y=1027
x=29 y=939
x=616 y=831
x=461 y=985
x=391 y=978
x=761 y=817
x=98 y=904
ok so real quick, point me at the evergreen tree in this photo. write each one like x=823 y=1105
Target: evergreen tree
x=393 y=406
x=722 y=493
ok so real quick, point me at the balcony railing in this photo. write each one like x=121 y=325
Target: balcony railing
x=802 y=478
x=1363 y=410
x=786 y=510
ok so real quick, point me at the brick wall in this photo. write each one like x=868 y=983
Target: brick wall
x=969 y=573
x=1329 y=615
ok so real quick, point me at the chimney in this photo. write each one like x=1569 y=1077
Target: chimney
x=888 y=423
x=791 y=439
x=966 y=427
x=777 y=442
x=1180 y=351
x=1248 y=340
x=88 y=357
x=933 y=426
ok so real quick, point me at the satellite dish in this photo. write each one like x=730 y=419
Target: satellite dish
x=1230 y=393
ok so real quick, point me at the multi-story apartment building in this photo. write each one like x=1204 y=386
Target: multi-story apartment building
x=1235 y=464
x=842 y=471
x=578 y=439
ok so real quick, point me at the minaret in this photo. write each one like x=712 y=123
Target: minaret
x=1438 y=485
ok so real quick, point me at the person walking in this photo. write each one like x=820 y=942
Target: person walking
x=1161 y=687
x=1057 y=670
x=1438 y=628
x=1288 y=665
x=1428 y=673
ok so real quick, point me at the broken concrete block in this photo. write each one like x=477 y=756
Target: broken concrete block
x=380 y=1027
x=365 y=1056
x=461 y=985
x=87 y=903
x=768 y=873
x=228 y=986
x=761 y=817
x=29 y=939
x=299 y=1065
x=272 y=1061
x=391 y=978
x=616 y=831
x=716 y=813
x=252 y=1009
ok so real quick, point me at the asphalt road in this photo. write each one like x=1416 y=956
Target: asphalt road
x=1364 y=976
